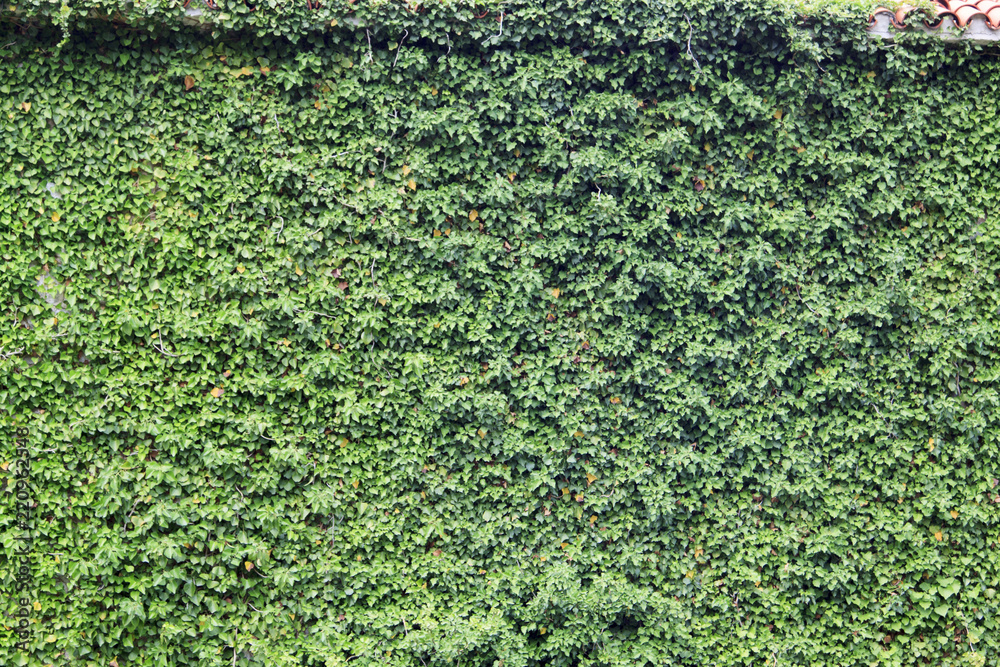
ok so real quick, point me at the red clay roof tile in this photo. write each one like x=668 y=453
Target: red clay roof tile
x=961 y=11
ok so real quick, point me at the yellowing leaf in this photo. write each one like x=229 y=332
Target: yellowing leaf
x=593 y=518
x=590 y=478
x=541 y=631
x=563 y=545
x=248 y=565
x=473 y=214
x=565 y=491
x=690 y=574
x=246 y=71
x=412 y=184
x=55 y=217
x=437 y=232
x=555 y=293
x=355 y=483
x=36 y=605
x=406 y=170
x=616 y=400
x=298 y=271
x=318 y=104
x=188 y=82
x=50 y=639
x=954 y=514
x=577 y=434
x=517 y=152
x=4 y=465
x=25 y=106
x=217 y=392
x=938 y=536
x=778 y=114
x=481 y=433
x=343 y=442
x=240 y=268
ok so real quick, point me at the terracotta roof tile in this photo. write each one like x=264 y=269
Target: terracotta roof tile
x=961 y=12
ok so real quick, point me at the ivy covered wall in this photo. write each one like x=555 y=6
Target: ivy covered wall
x=546 y=333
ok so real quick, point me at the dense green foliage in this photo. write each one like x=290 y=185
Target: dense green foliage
x=622 y=334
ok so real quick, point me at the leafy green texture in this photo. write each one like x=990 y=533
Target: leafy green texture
x=611 y=333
